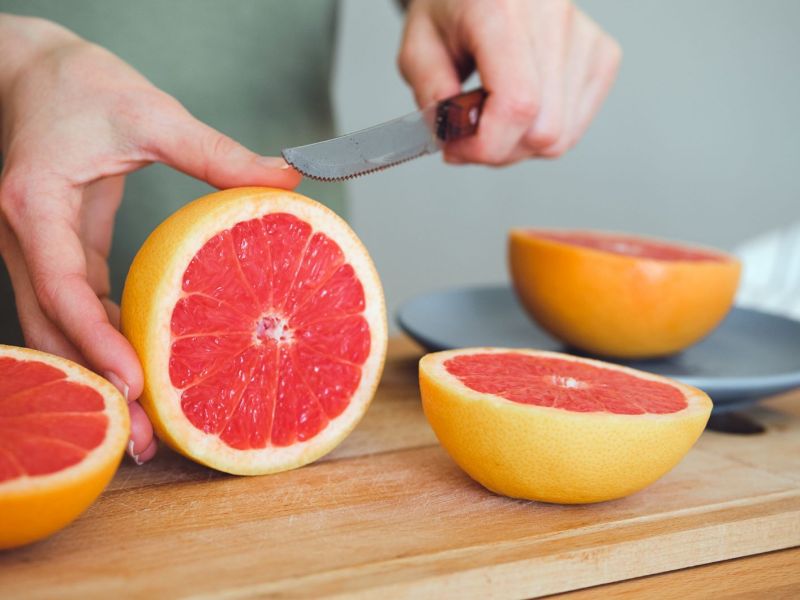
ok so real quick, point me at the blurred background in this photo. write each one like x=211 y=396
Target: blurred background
x=697 y=141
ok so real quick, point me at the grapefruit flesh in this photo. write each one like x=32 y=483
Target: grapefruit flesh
x=263 y=349
x=626 y=245
x=619 y=295
x=62 y=434
x=556 y=428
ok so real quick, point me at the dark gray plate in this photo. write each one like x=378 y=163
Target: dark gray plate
x=750 y=355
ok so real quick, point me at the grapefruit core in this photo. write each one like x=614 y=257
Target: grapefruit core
x=619 y=295
x=63 y=431
x=556 y=428
x=259 y=319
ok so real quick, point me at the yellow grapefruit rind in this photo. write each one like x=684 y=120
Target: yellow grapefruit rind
x=153 y=287
x=555 y=455
x=616 y=305
x=32 y=508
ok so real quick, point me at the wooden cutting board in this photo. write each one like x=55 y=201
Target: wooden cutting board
x=388 y=514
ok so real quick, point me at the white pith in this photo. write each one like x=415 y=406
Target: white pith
x=117 y=432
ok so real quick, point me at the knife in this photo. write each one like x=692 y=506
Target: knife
x=385 y=145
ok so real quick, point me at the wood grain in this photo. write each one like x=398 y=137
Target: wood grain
x=389 y=514
x=774 y=575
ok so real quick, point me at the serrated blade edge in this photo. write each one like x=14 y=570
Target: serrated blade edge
x=368 y=150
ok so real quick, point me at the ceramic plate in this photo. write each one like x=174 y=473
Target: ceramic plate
x=750 y=355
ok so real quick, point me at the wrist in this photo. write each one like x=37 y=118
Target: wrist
x=22 y=41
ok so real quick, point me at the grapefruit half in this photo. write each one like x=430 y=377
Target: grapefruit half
x=260 y=323
x=619 y=295
x=63 y=431
x=557 y=428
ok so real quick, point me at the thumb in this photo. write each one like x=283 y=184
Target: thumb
x=425 y=62
x=196 y=149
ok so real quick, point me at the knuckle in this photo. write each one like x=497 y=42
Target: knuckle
x=405 y=60
x=50 y=290
x=13 y=198
x=608 y=61
x=568 y=11
x=554 y=151
x=142 y=110
x=559 y=12
x=543 y=136
x=614 y=52
x=505 y=6
x=522 y=107
x=218 y=144
x=46 y=292
x=483 y=153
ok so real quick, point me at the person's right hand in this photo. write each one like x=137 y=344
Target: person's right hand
x=75 y=120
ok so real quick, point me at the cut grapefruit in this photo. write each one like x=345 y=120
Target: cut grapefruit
x=557 y=428
x=63 y=431
x=260 y=323
x=619 y=295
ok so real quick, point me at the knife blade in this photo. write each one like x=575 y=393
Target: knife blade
x=391 y=143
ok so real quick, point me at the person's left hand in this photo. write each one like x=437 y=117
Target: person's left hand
x=546 y=65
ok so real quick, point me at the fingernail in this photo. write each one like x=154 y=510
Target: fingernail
x=133 y=454
x=453 y=160
x=273 y=162
x=118 y=383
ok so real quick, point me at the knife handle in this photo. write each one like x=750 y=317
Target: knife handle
x=458 y=116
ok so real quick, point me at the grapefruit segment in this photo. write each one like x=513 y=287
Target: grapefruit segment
x=196 y=314
x=259 y=319
x=557 y=428
x=620 y=295
x=63 y=430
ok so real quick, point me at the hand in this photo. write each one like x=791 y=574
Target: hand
x=75 y=120
x=546 y=65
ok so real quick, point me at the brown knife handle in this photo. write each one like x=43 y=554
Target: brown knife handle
x=459 y=116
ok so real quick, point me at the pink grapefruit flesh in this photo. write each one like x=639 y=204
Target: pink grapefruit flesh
x=565 y=384
x=260 y=322
x=630 y=246
x=47 y=423
x=557 y=428
x=268 y=338
x=63 y=430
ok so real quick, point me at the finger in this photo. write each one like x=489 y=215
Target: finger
x=57 y=268
x=504 y=60
x=425 y=62
x=101 y=199
x=112 y=310
x=141 y=433
x=550 y=24
x=148 y=452
x=201 y=151
x=582 y=38
x=602 y=76
x=38 y=331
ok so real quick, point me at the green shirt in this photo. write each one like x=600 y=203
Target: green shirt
x=257 y=70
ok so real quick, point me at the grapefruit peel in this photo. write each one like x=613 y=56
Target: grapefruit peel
x=552 y=454
x=33 y=507
x=153 y=288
